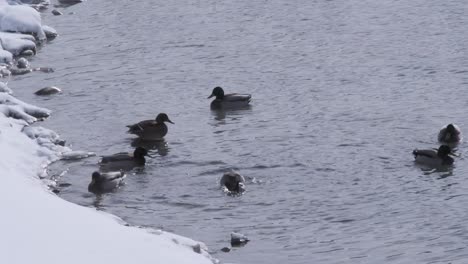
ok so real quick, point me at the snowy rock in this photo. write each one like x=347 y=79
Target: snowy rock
x=22 y=63
x=50 y=32
x=21 y=18
x=16 y=45
x=4 y=88
x=18 y=105
x=27 y=53
x=75 y=155
x=6 y=57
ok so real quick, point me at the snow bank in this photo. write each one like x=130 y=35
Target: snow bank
x=39 y=227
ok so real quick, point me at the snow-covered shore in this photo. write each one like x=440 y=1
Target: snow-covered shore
x=37 y=226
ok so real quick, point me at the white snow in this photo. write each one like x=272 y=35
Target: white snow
x=36 y=226
x=21 y=18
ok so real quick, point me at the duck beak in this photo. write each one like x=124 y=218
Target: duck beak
x=170 y=121
x=210 y=96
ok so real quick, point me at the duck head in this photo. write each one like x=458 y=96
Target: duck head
x=451 y=130
x=140 y=153
x=95 y=177
x=162 y=117
x=218 y=92
x=443 y=151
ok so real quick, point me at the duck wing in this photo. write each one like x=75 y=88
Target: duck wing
x=140 y=126
x=235 y=97
x=112 y=176
x=121 y=156
x=430 y=153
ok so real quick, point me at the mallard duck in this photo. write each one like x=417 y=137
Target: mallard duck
x=151 y=129
x=450 y=134
x=233 y=100
x=124 y=160
x=434 y=157
x=233 y=182
x=105 y=181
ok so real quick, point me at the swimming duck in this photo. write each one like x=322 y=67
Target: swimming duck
x=233 y=182
x=124 y=160
x=151 y=129
x=450 y=134
x=105 y=182
x=433 y=157
x=233 y=100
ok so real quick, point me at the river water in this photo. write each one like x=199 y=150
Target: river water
x=342 y=93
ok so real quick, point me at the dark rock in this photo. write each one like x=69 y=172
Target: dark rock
x=48 y=91
x=226 y=249
x=27 y=52
x=56 y=12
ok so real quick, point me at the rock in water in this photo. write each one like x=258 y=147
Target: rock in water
x=22 y=63
x=50 y=32
x=55 y=12
x=48 y=91
x=225 y=249
x=27 y=52
x=238 y=239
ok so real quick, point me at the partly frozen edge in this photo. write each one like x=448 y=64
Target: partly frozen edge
x=36 y=226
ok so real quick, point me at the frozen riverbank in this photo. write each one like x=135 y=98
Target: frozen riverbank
x=37 y=226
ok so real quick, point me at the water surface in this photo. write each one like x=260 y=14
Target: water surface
x=342 y=93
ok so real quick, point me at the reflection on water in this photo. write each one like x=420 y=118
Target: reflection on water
x=161 y=146
x=221 y=114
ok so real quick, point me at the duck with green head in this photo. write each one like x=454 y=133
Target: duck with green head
x=228 y=101
x=151 y=129
x=434 y=157
x=124 y=160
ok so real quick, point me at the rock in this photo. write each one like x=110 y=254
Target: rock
x=22 y=63
x=48 y=90
x=226 y=249
x=197 y=248
x=50 y=32
x=17 y=71
x=238 y=239
x=4 y=88
x=76 y=155
x=27 y=53
x=55 y=12
x=44 y=69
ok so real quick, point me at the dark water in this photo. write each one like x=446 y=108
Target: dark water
x=342 y=93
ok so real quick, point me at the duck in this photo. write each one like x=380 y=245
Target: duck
x=151 y=129
x=434 y=157
x=233 y=182
x=105 y=181
x=449 y=134
x=228 y=101
x=124 y=160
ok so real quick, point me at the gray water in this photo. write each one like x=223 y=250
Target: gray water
x=342 y=93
